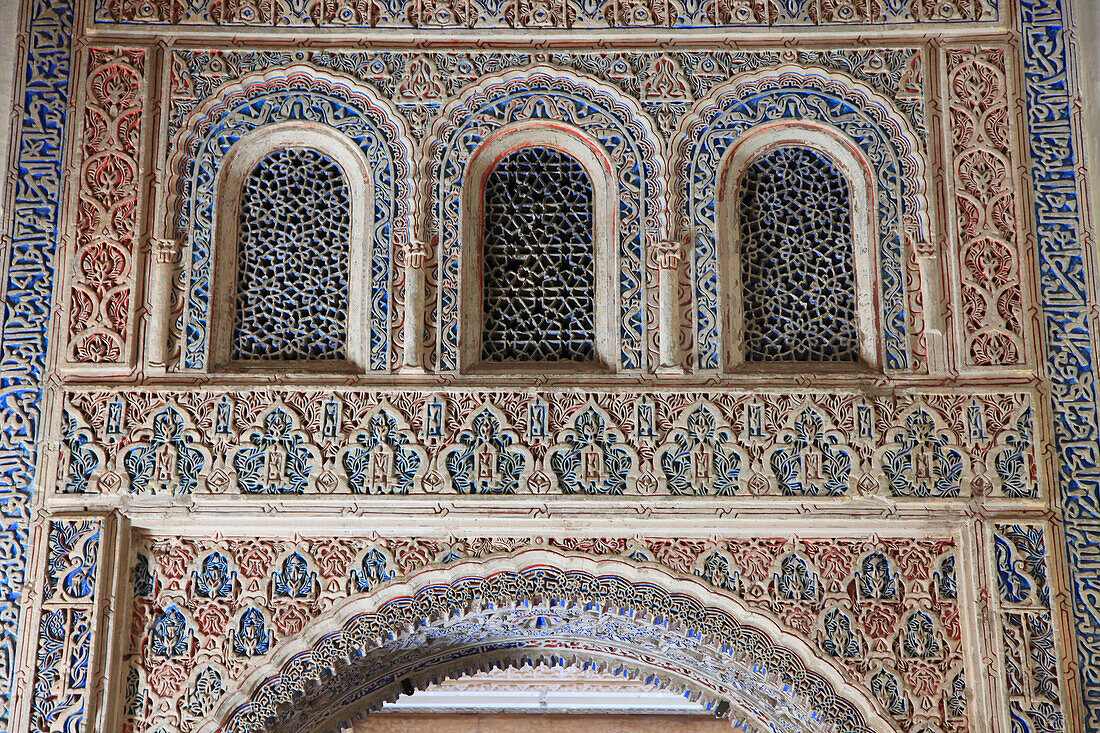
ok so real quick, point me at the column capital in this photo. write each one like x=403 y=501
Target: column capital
x=164 y=250
x=415 y=252
x=668 y=254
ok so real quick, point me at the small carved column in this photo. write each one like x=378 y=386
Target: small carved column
x=161 y=276
x=933 y=299
x=668 y=255
x=416 y=254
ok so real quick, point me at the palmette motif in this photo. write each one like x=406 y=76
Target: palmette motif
x=105 y=267
x=367 y=442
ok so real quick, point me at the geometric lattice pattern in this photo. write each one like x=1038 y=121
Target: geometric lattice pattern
x=539 y=259
x=292 y=260
x=796 y=260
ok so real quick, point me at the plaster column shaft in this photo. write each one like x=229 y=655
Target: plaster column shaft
x=415 y=256
x=934 y=309
x=162 y=271
x=668 y=256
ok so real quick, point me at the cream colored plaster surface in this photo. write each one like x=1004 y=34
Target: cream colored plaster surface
x=866 y=568
x=495 y=723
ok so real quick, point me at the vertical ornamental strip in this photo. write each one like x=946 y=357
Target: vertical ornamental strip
x=100 y=303
x=65 y=628
x=1070 y=341
x=29 y=247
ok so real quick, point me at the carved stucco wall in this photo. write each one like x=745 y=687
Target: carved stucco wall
x=519 y=723
x=904 y=550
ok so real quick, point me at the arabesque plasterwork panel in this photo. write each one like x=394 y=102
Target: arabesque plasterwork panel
x=907 y=548
x=884 y=610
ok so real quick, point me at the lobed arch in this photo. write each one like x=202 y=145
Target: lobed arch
x=322 y=107
x=550 y=98
x=837 y=148
x=540 y=606
x=871 y=128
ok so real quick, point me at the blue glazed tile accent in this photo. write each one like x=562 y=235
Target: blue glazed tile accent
x=27 y=300
x=1064 y=289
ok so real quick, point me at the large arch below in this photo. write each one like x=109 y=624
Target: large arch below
x=540 y=606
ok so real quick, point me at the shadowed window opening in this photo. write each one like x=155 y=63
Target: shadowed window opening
x=538 y=298
x=797 y=271
x=292 y=260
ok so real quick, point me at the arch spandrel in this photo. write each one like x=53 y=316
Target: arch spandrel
x=538 y=605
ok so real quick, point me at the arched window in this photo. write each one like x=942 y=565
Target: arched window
x=538 y=258
x=538 y=276
x=798 y=271
x=290 y=264
x=292 y=260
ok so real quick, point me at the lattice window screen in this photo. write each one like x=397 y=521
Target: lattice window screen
x=292 y=260
x=538 y=259
x=797 y=271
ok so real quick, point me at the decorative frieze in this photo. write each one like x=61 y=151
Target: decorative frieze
x=665 y=83
x=714 y=444
x=541 y=14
